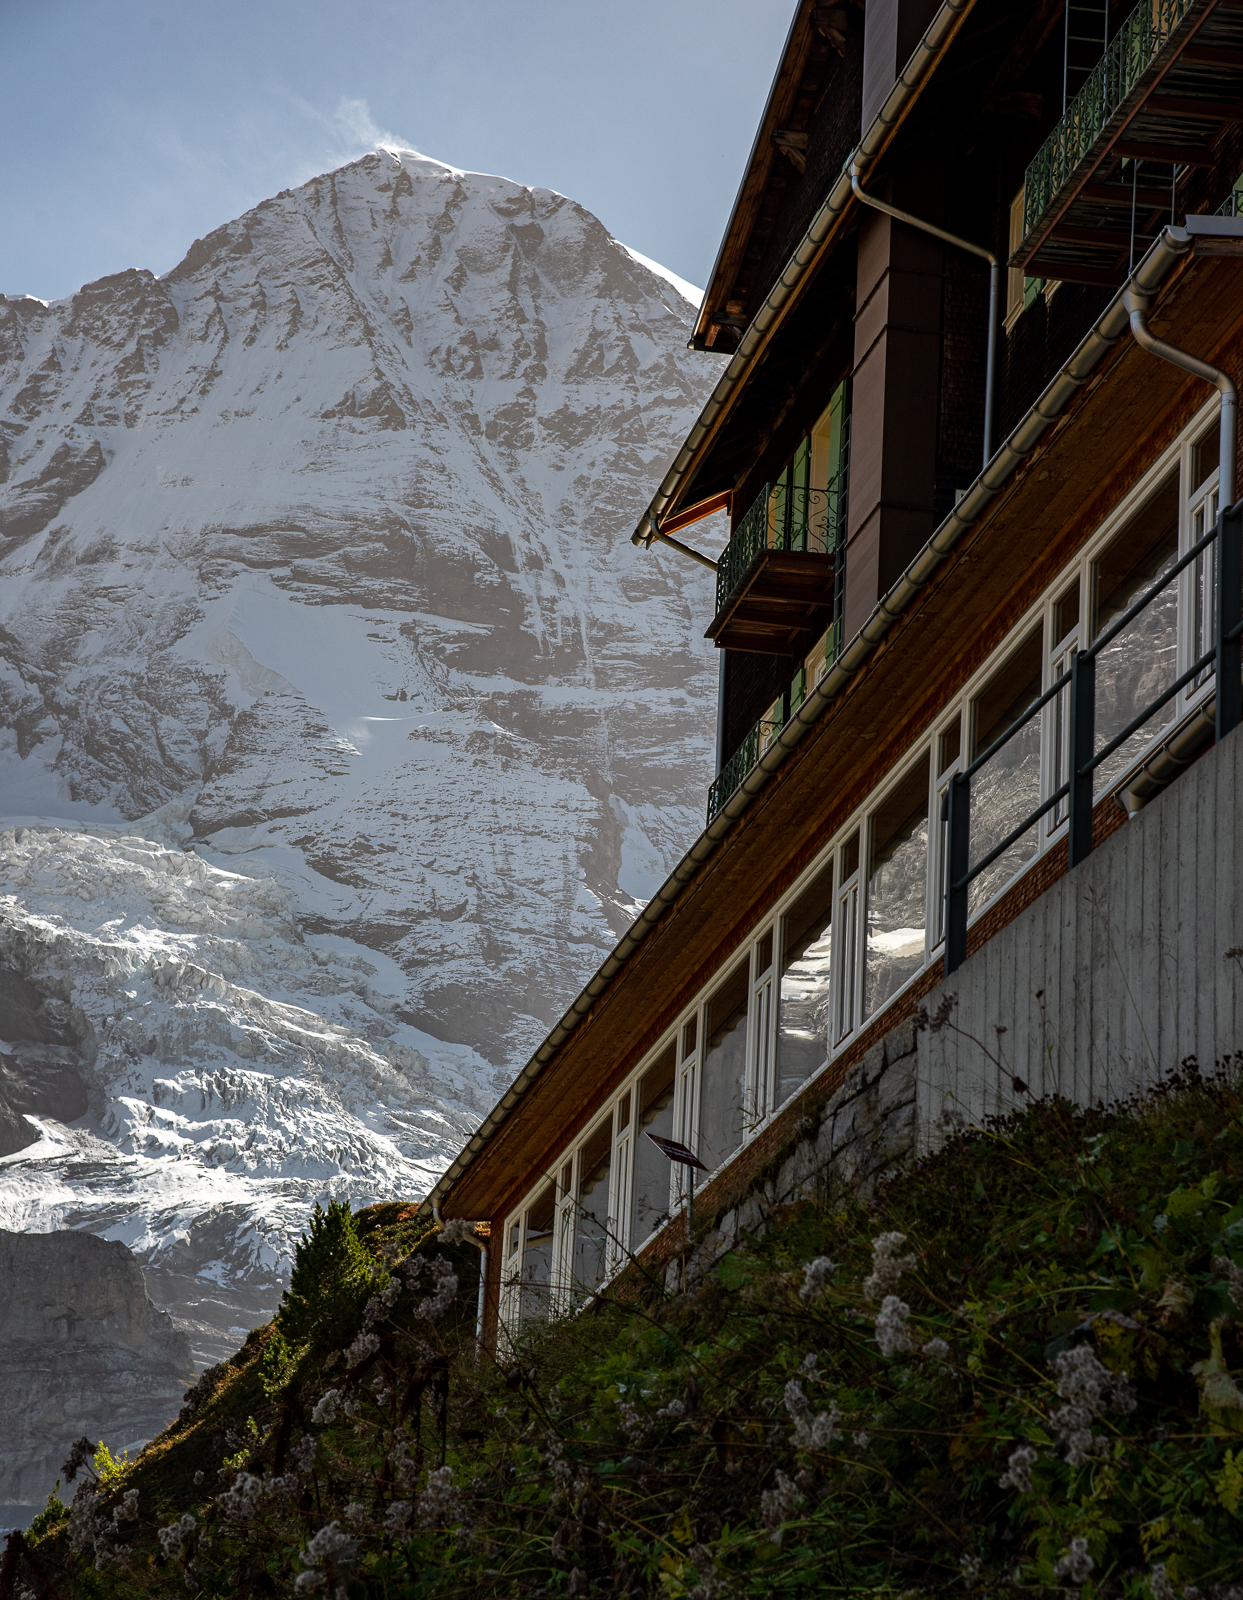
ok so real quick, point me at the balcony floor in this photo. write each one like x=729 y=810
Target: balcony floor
x=780 y=604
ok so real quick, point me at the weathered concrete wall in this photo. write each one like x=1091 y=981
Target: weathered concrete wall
x=1119 y=972
x=1122 y=970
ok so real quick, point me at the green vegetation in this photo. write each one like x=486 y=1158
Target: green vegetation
x=1011 y=1370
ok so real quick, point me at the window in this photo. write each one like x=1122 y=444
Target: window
x=537 y=1255
x=948 y=748
x=1065 y=634
x=724 y=1069
x=897 y=889
x=619 y=1183
x=591 y=1252
x=1200 y=600
x=803 y=999
x=760 y=1087
x=654 y=1094
x=1142 y=661
x=1007 y=788
x=846 y=939
x=687 y=1119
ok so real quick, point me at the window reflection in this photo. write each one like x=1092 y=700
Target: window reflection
x=724 y=1069
x=1007 y=788
x=803 y=1002
x=897 y=889
x=537 y=1256
x=650 y=1206
x=592 y=1231
x=1142 y=661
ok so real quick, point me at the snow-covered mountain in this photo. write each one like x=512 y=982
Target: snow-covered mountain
x=341 y=728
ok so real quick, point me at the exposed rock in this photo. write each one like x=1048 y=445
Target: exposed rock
x=83 y=1351
x=38 y=1070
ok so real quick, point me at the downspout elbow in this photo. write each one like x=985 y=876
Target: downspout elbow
x=1137 y=303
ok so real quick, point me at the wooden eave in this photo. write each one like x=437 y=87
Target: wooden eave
x=975 y=51
x=758 y=175
x=1132 y=407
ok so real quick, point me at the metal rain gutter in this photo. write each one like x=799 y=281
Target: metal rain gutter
x=923 y=58
x=1110 y=328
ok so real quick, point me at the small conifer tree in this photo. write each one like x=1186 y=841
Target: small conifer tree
x=331 y=1278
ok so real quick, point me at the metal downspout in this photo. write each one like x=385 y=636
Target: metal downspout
x=1137 y=302
x=994 y=287
x=483 y=1270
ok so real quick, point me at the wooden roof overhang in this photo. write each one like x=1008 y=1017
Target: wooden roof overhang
x=1102 y=216
x=1093 y=433
x=680 y=487
x=811 y=47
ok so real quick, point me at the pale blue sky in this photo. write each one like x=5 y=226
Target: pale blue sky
x=131 y=127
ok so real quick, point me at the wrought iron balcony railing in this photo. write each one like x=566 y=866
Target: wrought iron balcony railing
x=781 y=517
x=1118 y=71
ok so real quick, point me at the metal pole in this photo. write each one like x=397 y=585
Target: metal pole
x=957 y=865
x=1082 y=746
x=1229 y=686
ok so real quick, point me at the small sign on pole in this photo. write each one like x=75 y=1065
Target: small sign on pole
x=677 y=1152
x=683 y=1157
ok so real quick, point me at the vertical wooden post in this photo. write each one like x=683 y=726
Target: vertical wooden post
x=957 y=865
x=1229 y=619
x=1082 y=749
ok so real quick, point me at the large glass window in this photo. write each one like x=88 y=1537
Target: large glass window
x=650 y=1204
x=897 y=905
x=537 y=1254
x=591 y=1242
x=1007 y=788
x=1142 y=661
x=803 y=1002
x=724 y=1069
x=846 y=938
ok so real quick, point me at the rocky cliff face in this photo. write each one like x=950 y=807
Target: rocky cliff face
x=341 y=727
x=83 y=1351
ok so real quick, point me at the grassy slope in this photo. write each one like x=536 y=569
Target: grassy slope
x=655 y=1447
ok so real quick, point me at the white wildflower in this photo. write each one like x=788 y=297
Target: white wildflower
x=936 y=1350
x=777 y=1504
x=1234 y=1276
x=303 y=1452
x=675 y=1408
x=457 y=1231
x=398 y=1516
x=634 y=1424
x=887 y=1266
x=355 y=1511
x=242 y=1499
x=1076 y=1565
x=1087 y=1387
x=126 y=1509
x=891 y=1331
x=972 y=1569
x=353 y=1406
x=446 y=1287
x=329 y=1544
x=365 y=1345
x=308 y=1582
x=175 y=1535
x=379 y=1305
x=808 y=1365
x=816 y=1275
x=863 y=1439
x=440 y=1504
x=811 y=1433
x=1018 y=1473
x=328 y=1406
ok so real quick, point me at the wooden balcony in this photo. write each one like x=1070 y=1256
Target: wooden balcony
x=1106 y=180
x=778 y=577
